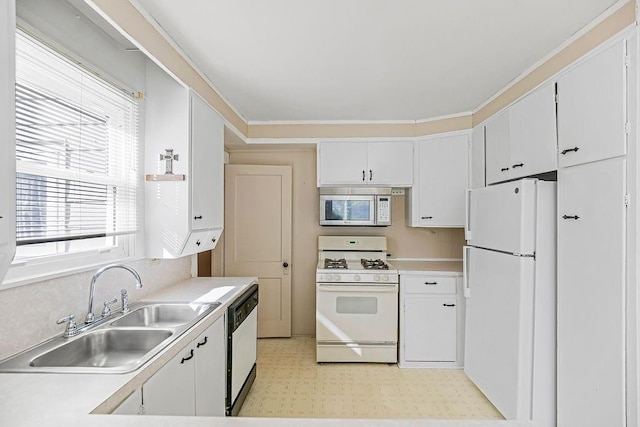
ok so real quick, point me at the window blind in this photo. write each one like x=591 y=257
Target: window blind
x=76 y=150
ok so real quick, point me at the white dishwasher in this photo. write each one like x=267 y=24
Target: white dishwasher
x=242 y=335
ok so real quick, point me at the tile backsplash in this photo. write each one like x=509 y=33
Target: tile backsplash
x=28 y=313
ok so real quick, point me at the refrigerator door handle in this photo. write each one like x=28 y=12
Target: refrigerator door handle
x=467 y=216
x=466 y=291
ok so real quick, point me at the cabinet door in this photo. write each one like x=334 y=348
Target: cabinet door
x=591 y=109
x=442 y=178
x=476 y=164
x=131 y=405
x=390 y=164
x=430 y=329
x=532 y=133
x=497 y=149
x=591 y=304
x=210 y=371
x=342 y=163
x=206 y=178
x=171 y=390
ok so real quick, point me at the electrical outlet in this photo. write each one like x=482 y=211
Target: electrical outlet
x=397 y=191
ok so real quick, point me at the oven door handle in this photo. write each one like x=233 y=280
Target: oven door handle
x=357 y=289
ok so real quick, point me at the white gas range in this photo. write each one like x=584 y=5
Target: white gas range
x=356 y=301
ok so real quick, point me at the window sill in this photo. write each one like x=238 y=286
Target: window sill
x=17 y=278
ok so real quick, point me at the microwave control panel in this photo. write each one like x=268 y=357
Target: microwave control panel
x=383 y=216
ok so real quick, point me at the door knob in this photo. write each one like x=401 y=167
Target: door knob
x=285 y=264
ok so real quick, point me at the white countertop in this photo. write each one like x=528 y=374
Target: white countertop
x=69 y=399
x=421 y=267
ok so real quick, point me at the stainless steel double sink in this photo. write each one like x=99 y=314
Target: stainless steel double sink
x=119 y=344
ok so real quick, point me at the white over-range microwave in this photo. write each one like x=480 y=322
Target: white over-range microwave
x=355 y=206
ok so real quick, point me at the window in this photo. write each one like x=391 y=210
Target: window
x=76 y=161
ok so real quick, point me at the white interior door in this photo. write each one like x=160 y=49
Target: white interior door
x=258 y=239
x=499 y=329
x=591 y=302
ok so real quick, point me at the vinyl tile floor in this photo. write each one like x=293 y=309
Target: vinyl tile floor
x=290 y=384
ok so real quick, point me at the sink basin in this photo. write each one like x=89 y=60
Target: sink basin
x=160 y=315
x=120 y=343
x=106 y=348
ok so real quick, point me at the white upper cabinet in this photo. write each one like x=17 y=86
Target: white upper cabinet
x=384 y=164
x=476 y=163
x=592 y=109
x=497 y=149
x=437 y=198
x=185 y=209
x=532 y=133
x=7 y=128
x=521 y=141
x=390 y=164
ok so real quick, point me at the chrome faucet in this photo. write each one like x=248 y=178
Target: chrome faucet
x=90 y=317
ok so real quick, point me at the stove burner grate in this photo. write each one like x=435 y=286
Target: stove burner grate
x=335 y=263
x=374 y=264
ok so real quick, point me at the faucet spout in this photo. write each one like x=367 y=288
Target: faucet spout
x=90 y=316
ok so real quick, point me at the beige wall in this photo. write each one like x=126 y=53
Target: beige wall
x=404 y=242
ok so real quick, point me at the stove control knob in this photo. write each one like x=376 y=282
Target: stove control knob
x=376 y=277
x=356 y=277
x=335 y=277
x=385 y=278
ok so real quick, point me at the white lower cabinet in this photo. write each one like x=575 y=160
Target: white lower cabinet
x=131 y=405
x=431 y=321
x=193 y=382
x=591 y=294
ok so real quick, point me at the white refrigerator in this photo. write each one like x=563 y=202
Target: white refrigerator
x=510 y=288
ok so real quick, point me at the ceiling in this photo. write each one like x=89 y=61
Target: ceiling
x=335 y=60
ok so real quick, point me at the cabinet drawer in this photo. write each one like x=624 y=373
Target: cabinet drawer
x=428 y=285
x=197 y=242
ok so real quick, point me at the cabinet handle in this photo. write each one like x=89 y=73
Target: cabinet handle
x=576 y=217
x=200 y=344
x=198 y=243
x=430 y=283
x=568 y=150
x=426 y=217
x=519 y=165
x=504 y=169
x=449 y=305
x=370 y=175
x=213 y=240
x=184 y=359
x=197 y=217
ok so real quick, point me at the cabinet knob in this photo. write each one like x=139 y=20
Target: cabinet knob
x=569 y=150
x=198 y=243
